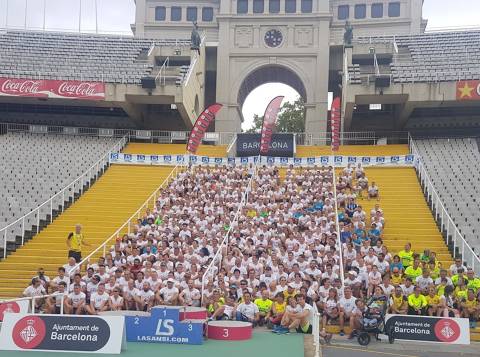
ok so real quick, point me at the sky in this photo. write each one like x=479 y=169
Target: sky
x=115 y=16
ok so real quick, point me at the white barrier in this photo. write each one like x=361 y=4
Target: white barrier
x=332 y=160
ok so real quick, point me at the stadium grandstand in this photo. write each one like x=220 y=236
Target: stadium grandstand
x=131 y=195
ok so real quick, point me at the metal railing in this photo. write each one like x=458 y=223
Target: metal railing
x=34 y=298
x=57 y=201
x=161 y=78
x=454 y=238
x=224 y=244
x=150 y=202
x=316 y=329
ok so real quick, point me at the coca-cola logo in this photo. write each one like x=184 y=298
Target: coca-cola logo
x=24 y=87
x=82 y=89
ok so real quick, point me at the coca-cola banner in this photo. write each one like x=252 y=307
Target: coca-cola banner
x=52 y=89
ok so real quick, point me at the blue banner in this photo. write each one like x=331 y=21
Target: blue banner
x=337 y=161
x=163 y=326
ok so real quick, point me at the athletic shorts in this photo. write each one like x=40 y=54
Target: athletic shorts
x=307 y=329
x=76 y=255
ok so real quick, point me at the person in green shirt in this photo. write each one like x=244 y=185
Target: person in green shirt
x=414 y=271
x=459 y=276
x=417 y=303
x=406 y=255
x=264 y=305
x=473 y=281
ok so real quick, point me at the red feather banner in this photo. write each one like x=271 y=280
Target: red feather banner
x=201 y=126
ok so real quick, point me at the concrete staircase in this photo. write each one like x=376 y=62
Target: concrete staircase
x=101 y=211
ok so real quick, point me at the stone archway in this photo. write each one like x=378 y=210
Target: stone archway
x=270 y=74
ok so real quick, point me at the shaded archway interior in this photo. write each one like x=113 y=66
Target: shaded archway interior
x=270 y=74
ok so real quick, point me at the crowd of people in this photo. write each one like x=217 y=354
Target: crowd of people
x=283 y=261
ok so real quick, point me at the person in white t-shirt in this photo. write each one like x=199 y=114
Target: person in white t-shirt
x=98 y=301
x=247 y=310
x=116 y=302
x=130 y=295
x=146 y=298
x=35 y=289
x=75 y=303
x=54 y=303
x=346 y=305
x=190 y=296
x=168 y=295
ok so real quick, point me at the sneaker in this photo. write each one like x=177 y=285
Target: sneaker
x=283 y=331
x=328 y=338
x=352 y=335
x=342 y=333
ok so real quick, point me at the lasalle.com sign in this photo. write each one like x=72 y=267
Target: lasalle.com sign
x=429 y=329
x=62 y=333
x=282 y=145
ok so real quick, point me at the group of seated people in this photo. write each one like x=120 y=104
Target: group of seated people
x=282 y=261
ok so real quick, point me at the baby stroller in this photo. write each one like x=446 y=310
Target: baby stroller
x=373 y=321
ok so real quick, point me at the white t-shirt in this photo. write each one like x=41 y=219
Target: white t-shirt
x=249 y=310
x=76 y=298
x=145 y=296
x=309 y=308
x=130 y=294
x=190 y=295
x=31 y=291
x=348 y=304
x=116 y=302
x=168 y=294
x=98 y=299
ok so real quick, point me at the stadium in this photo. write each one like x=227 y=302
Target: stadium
x=144 y=209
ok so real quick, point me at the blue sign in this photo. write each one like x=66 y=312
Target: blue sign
x=163 y=326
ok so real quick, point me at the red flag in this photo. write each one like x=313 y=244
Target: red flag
x=335 y=121
x=269 y=120
x=200 y=126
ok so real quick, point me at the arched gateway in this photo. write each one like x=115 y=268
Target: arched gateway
x=290 y=48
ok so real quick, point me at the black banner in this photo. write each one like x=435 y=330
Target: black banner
x=280 y=146
x=422 y=328
x=61 y=333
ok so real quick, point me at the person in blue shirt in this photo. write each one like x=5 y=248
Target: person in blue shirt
x=373 y=234
x=397 y=263
x=357 y=241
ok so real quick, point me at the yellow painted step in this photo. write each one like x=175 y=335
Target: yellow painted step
x=115 y=196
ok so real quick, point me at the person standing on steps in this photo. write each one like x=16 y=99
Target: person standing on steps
x=75 y=242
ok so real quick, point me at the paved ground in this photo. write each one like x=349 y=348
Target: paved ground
x=341 y=347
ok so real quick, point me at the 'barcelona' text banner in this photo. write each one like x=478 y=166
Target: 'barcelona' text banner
x=40 y=88
x=468 y=90
x=338 y=161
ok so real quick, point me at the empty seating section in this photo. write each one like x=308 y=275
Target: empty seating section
x=50 y=55
x=454 y=168
x=36 y=166
x=174 y=149
x=433 y=57
x=353 y=150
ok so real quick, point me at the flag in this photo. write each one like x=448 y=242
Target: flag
x=335 y=119
x=269 y=120
x=200 y=126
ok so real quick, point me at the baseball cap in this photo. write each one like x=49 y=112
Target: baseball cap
x=170 y=280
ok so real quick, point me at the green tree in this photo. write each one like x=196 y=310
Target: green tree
x=291 y=119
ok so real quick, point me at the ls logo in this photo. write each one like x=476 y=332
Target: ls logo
x=165 y=327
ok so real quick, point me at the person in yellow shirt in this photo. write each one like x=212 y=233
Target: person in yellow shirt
x=290 y=292
x=414 y=271
x=461 y=291
x=406 y=256
x=470 y=308
x=276 y=312
x=473 y=281
x=417 y=303
x=433 y=301
x=396 y=278
x=398 y=302
x=264 y=305
x=75 y=242
x=434 y=269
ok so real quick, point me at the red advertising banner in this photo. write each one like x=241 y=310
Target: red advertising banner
x=335 y=120
x=468 y=90
x=201 y=126
x=269 y=120
x=40 y=88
